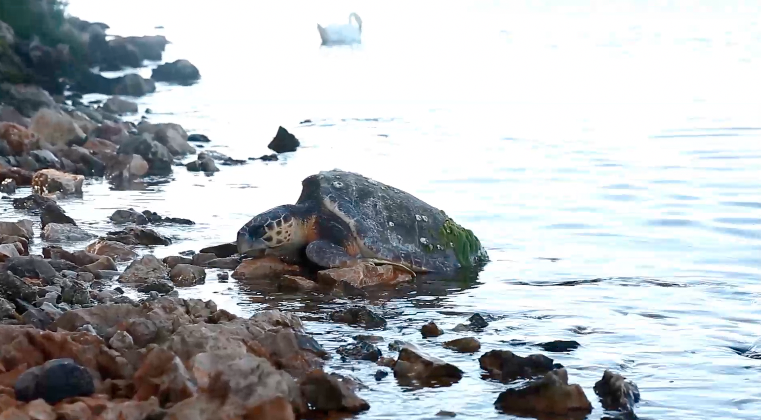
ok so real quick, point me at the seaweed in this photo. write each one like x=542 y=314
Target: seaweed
x=466 y=246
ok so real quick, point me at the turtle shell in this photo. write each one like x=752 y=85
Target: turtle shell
x=393 y=225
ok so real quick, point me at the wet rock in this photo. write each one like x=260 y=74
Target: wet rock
x=144 y=270
x=22 y=228
x=117 y=105
x=187 y=275
x=21 y=244
x=268 y=158
x=132 y=85
x=223 y=276
x=157 y=156
x=360 y=351
x=8 y=251
x=116 y=250
x=51 y=181
x=295 y=283
x=202 y=164
x=8 y=186
x=55 y=232
x=550 y=395
x=328 y=393
x=31 y=267
x=464 y=345
x=201 y=259
x=155 y=218
x=181 y=72
x=380 y=374
x=54 y=381
x=616 y=392
x=559 y=346
x=262 y=268
x=221 y=251
x=128 y=216
x=198 y=138
x=150 y=47
x=13 y=288
x=413 y=364
x=53 y=213
x=174 y=260
x=138 y=236
x=507 y=366
x=364 y=275
x=84 y=162
x=224 y=263
x=63 y=265
x=45 y=159
x=431 y=330
x=122 y=169
x=477 y=321
x=32 y=202
x=57 y=128
x=284 y=141
x=358 y=315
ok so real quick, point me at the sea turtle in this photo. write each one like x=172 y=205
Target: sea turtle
x=342 y=217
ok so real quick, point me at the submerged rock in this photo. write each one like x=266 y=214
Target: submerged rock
x=358 y=315
x=138 y=236
x=328 y=393
x=550 y=395
x=364 y=274
x=262 y=268
x=413 y=364
x=53 y=213
x=431 y=330
x=360 y=351
x=221 y=251
x=559 y=346
x=464 y=345
x=128 y=216
x=284 y=141
x=616 y=392
x=506 y=366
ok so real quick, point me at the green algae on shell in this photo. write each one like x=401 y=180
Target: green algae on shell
x=465 y=244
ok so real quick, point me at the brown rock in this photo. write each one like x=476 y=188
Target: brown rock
x=13 y=240
x=328 y=393
x=39 y=410
x=22 y=228
x=146 y=269
x=386 y=361
x=431 y=330
x=18 y=138
x=201 y=259
x=506 y=366
x=8 y=251
x=464 y=345
x=117 y=251
x=616 y=393
x=130 y=410
x=221 y=251
x=104 y=263
x=55 y=127
x=14 y=414
x=364 y=274
x=419 y=367
x=164 y=376
x=263 y=268
x=187 y=275
x=51 y=181
x=99 y=145
x=550 y=395
x=20 y=176
x=229 y=263
x=173 y=260
x=295 y=283
x=75 y=411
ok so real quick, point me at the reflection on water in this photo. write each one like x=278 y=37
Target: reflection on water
x=608 y=158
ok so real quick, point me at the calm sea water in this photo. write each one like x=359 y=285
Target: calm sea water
x=608 y=155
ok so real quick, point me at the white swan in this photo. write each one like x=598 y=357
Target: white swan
x=342 y=34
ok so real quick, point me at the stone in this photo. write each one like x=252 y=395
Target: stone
x=160 y=287
x=8 y=251
x=27 y=99
x=616 y=392
x=181 y=72
x=550 y=395
x=329 y=393
x=84 y=161
x=21 y=228
x=559 y=346
x=225 y=263
x=7 y=309
x=174 y=260
x=477 y=321
x=170 y=135
x=21 y=244
x=17 y=139
x=75 y=293
x=157 y=156
x=414 y=365
x=431 y=330
x=295 y=283
x=39 y=410
x=13 y=288
x=53 y=213
x=20 y=176
x=138 y=236
x=360 y=351
x=75 y=411
x=8 y=186
x=10 y=114
x=163 y=375
x=150 y=47
x=97 y=145
x=128 y=216
x=187 y=275
x=117 y=105
x=221 y=251
x=54 y=381
x=133 y=85
x=364 y=274
x=358 y=315
x=31 y=267
x=116 y=250
x=122 y=169
x=507 y=366
x=55 y=232
x=66 y=268
x=263 y=268
x=110 y=131
x=51 y=181
x=144 y=270
x=202 y=164
x=284 y=141
x=201 y=259
x=57 y=128
x=223 y=276
x=45 y=159
x=32 y=202
x=198 y=138
x=464 y=345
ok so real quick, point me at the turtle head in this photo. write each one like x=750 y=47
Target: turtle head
x=281 y=231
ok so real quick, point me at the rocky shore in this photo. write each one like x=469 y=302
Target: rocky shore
x=74 y=345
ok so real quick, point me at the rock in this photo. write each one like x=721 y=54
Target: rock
x=144 y=270
x=223 y=276
x=132 y=85
x=116 y=250
x=9 y=114
x=31 y=267
x=181 y=72
x=7 y=309
x=155 y=218
x=506 y=366
x=201 y=259
x=157 y=156
x=268 y=158
x=13 y=288
x=97 y=145
x=221 y=251
x=364 y=274
x=163 y=375
x=17 y=139
x=202 y=164
x=63 y=265
x=358 y=315
x=27 y=99
x=75 y=411
x=150 y=47
x=22 y=228
x=431 y=330
x=53 y=213
x=284 y=141
x=198 y=138
x=326 y=393
x=39 y=410
x=616 y=392
x=21 y=244
x=187 y=275
x=559 y=346
x=263 y=268
x=550 y=395
x=138 y=236
x=424 y=369
x=174 y=260
x=464 y=345
x=380 y=374
x=295 y=283
x=7 y=34
x=360 y=351
x=224 y=263
x=128 y=216
x=112 y=132
x=117 y=105
x=172 y=136
x=32 y=202
x=75 y=293
x=20 y=176
x=477 y=321
x=45 y=159
x=8 y=186
x=55 y=232
x=54 y=381
x=51 y=181
x=57 y=128
x=84 y=161
x=121 y=169
x=8 y=251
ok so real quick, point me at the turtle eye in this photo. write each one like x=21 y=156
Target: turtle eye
x=256 y=231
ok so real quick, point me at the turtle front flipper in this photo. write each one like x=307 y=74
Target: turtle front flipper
x=327 y=254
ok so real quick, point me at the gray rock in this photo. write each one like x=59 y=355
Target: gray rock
x=7 y=309
x=54 y=381
x=180 y=72
x=117 y=105
x=55 y=232
x=128 y=216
